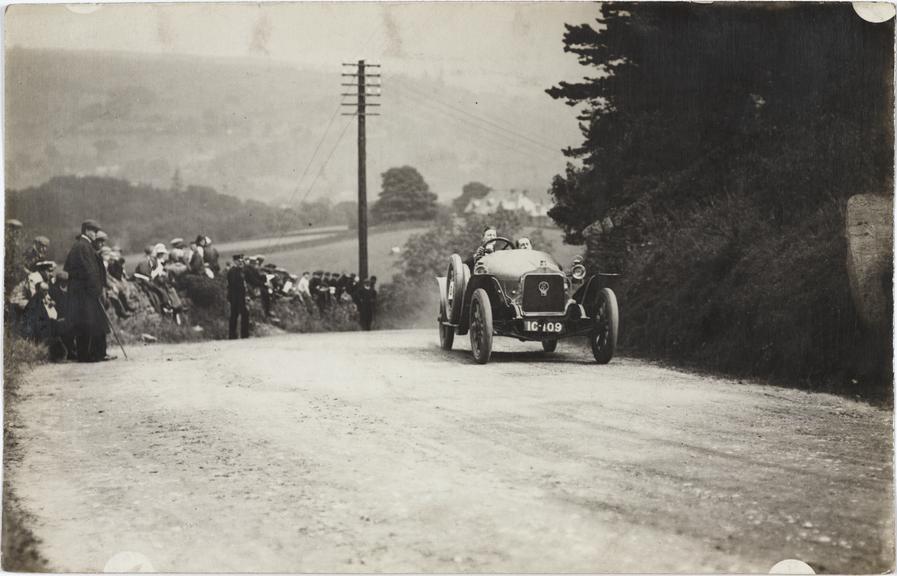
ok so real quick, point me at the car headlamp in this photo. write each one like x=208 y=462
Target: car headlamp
x=578 y=272
x=480 y=269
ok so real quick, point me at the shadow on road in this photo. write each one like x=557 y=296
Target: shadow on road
x=463 y=356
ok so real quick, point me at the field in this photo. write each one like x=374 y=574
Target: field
x=342 y=255
x=335 y=249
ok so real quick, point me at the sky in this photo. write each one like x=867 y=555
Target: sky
x=518 y=43
x=507 y=52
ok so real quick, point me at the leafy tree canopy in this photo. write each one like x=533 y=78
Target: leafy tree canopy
x=788 y=101
x=470 y=191
x=404 y=196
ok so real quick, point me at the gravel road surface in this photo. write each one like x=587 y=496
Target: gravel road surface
x=363 y=452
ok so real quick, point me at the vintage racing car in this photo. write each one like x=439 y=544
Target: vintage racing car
x=526 y=295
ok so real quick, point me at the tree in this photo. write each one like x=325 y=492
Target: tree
x=720 y=145
x=682 y=90
x=470 y=191
x=404 y=196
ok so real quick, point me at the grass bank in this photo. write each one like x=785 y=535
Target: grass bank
x=726 y=289
x=19 y=549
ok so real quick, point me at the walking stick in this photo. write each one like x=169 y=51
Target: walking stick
x=112 y=328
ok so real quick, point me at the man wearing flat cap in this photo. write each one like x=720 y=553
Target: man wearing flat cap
x=85 y=315
x=236 y=296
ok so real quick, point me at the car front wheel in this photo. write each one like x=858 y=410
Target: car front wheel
x=481 y=326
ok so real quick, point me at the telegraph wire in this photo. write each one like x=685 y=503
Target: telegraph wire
x=496 y=125
x=503 y=139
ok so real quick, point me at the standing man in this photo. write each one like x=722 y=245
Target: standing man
x=365 y=299
x=85 y=313
x=236 y=295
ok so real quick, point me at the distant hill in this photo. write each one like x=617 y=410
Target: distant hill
x=248 y=128
x=137 y=215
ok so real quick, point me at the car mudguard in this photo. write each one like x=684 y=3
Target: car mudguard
x=497 y=300
x=587 y=295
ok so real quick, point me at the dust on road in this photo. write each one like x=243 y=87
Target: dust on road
x=380 y=452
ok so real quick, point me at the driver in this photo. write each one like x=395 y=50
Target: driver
x=524 y=244
x=489 y=233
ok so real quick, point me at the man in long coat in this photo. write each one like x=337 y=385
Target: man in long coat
x=366 y=300
x=236 y=296
x=85 y=314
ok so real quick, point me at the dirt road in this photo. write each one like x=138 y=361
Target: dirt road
x=379 y=452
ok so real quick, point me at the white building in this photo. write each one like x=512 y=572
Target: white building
x=514 y=200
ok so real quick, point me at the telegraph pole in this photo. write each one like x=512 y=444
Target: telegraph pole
x=361 y=75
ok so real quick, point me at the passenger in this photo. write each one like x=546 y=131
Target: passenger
x=524 y=244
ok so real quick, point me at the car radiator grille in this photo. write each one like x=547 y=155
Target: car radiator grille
x=543 y=293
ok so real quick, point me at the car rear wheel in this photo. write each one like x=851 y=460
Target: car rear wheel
x=481 y=326
x=549 y=346
x=456 y=283
x=607 y=322
x=446 y=336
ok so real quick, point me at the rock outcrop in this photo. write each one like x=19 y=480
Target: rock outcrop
x=870 y=258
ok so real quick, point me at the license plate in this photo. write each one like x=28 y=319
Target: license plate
x=549 y=326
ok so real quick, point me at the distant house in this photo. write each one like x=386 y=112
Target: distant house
x=514 y=200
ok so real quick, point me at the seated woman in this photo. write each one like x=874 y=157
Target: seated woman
x=524 y=244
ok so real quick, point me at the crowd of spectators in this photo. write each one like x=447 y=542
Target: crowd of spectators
x=39 y=304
